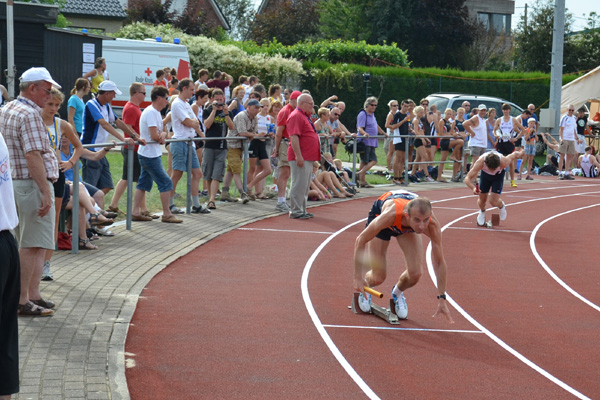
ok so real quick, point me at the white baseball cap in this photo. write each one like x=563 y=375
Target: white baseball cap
x=38 y=74
x=109 y=86
x=482 y=107
x=531 y=120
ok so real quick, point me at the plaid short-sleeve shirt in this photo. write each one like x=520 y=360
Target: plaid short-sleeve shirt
x=23 y=128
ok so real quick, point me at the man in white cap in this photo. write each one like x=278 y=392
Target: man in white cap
x=34 y=169
x=476 y=127
x=98 y=118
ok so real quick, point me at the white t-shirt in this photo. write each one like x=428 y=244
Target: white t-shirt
x=150 y=118
x=8 y=210
x=480 y=138
x=180 y=111
x=262 y=123
x=247 y=91
x=570 y=127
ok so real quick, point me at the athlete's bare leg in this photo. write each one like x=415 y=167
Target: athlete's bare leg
x=377 y=252
x=412 y=247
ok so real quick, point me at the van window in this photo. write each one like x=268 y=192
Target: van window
x=440 y=102
x=514 y=111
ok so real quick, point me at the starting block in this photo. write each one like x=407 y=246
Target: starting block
x=495 y=221
x=386 y=314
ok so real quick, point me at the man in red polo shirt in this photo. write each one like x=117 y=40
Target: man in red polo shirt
x=303 y=151
x=280 y=150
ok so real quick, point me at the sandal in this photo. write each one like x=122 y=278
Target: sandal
x=85 y=244
x=30 y=310
x=96 y=221
x=43 y=303
x=109 y=214
x=149 y=214
x=211 y=205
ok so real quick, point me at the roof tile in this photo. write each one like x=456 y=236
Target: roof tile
x=104 y=8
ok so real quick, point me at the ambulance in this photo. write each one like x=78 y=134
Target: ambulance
x=129 y=61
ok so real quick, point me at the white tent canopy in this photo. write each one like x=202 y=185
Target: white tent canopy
x=581 y=90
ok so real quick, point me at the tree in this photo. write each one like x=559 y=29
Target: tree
x=290 y=21
x=586 y=44
x=239 y=14
x=438 y=29
x=533 y=40
x=487 y=49
x=344 y=19
x=153 y=11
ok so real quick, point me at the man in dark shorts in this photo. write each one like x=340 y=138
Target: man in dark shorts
x=492 y=166
x=403 y=215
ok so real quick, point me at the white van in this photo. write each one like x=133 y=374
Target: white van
x=129 y=61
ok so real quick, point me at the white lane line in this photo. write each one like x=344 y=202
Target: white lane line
x=545 y=266
x=495 y=338
x=317 y=322
x=283 y=230
x=390 y=328
x=457 y=208
x=487 y=229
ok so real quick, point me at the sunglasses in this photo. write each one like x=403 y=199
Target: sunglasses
x=424 y=104
x=373 y=104
x=570 y=109
x=334 y=114
x=394 y=105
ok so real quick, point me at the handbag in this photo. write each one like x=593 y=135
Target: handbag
x=64 y=241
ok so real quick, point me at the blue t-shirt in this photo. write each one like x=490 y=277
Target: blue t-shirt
x=79 y=106
x=93 y=132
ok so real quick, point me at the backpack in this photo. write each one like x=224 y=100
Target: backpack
x=360 y=146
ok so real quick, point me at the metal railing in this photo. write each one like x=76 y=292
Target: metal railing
x=128 y=219
x=407 y=163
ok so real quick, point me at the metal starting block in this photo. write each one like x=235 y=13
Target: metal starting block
x=386 y=314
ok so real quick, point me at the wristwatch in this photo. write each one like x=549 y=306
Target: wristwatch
x=442 y=296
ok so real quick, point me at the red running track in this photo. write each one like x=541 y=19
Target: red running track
x=229 y=319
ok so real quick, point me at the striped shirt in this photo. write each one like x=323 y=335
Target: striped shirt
x=24 y=131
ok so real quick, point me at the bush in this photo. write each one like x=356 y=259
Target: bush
x=212 y=55
x=332 y=51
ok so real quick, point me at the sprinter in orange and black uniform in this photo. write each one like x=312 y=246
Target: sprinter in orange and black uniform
x=402 y=215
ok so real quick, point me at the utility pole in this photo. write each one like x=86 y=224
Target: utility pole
x=525 y=19
x=10 y=50
x=556 y=70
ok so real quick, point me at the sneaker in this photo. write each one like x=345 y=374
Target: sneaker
x=561 y=177
x=203 y=193
x=503 y=212
x=400 y=303
x=301 y=216
x=481 y=218
x=175 y=210
x=512 y=183
x=225 y=196
x=282 y=207
x=200 y=210
x=569 y=177
x=245 y=198
x=171 y=219
x=364 y=303
x=430 y=179
x=309 y=215
x=46 y=273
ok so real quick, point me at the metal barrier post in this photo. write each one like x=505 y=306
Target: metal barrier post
x=130 y=156
x=245 y=154
x=75 y=211
x=188 y=210
x=354 y=159
x=406 y=156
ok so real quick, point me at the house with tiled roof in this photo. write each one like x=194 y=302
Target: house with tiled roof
x=107 y=16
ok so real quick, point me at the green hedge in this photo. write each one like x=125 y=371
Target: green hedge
x=333 y=51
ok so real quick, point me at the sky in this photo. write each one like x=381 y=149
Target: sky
x=575 y=7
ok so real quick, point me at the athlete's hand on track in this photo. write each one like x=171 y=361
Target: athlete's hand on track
x=442 y=308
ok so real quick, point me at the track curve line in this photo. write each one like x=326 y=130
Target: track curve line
x=547 y=268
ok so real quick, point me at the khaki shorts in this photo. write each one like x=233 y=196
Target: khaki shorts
x=477 y=151
x=282 y=156
x=567 y=147
x=234 y=161
x=33 y=231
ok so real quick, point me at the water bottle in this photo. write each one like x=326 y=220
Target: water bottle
x=537 y=170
